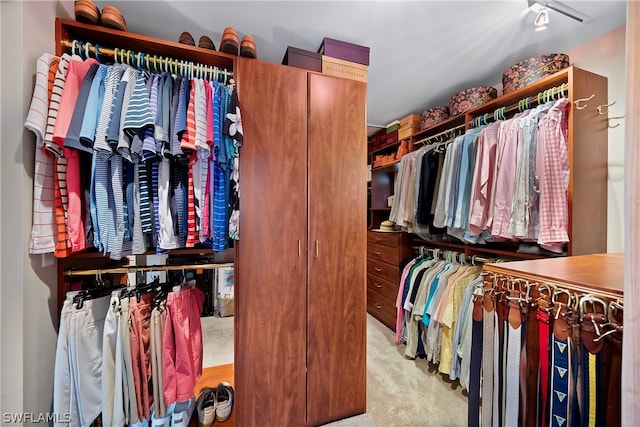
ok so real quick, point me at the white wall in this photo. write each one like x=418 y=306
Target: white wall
x=28 y=298
x=606 y=56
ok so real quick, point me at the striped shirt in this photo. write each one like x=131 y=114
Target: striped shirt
x=101 y=146
x=138 y=115
x=54 y=104
x=43 y=227
x=94 y=106
x=124 y=143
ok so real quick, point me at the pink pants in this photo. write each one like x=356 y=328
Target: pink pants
x=141 y=352
x=182 y=345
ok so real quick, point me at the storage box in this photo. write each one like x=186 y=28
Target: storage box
x=378 y=139
x=392 y=137
x=409 y=125
x=532 y=69
x=393 y=126
x=471 y=98
x=346 y=69
x=344 y=50
x=301 y=58
x=433 y=116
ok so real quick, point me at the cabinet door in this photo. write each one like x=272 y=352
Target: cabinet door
x=270 y=329
x=337 y=256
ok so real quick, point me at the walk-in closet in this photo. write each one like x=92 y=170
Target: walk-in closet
x=354 y=213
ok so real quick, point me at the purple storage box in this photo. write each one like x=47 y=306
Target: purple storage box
x=301 y=58
x=343 y=50
x=392 y=137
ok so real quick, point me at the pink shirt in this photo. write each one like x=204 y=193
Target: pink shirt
x=481 y=185
x=552 y=165
x=505 y=180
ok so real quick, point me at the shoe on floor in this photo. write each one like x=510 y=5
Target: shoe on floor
x=206 y=407
x=206 y=43
x=112 y=18
x=230 y=42
x=224 y=401
x=248 y=47
x=182 y=413
x=186 y=38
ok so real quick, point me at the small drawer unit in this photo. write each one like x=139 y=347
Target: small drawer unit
x=385 y=252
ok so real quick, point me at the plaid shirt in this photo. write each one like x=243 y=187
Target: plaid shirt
x=553 y=174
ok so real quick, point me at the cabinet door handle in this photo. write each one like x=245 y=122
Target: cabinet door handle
x=299 y=249
x=378 y=306
x=317 y=249
x=378 y=253
x=378 y=269
x=377 y=285
x=378 y=239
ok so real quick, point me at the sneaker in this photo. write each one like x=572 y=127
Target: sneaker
x=224 y=401
x=206 y=407
x=182 y=413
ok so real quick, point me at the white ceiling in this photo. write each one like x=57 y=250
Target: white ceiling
x=422 y=52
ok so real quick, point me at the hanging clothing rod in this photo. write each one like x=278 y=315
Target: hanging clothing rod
x=143 y=268
x=152 y=63
x=453 y=129
x=522 y=105
x=436 y=251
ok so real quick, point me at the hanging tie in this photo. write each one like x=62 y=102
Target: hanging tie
x=561 y=362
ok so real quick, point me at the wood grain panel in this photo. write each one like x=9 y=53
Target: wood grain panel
x=337 y=221
x=600 y=273
x=385 y=239
x=383 y=270
x=270 y=333
x=381 y=308
x=385 y=288
x=588 y=154
x=384 y=253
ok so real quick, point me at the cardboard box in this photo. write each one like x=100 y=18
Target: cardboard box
x=348 y=70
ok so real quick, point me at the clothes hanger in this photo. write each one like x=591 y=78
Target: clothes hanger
x=87 y=48
x=96 y=51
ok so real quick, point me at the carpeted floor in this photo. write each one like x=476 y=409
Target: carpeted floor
x=400 y=392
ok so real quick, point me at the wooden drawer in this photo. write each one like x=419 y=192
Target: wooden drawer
x=384 y=253
x=383 y=270
x=383 y=287
x=384 y=239
x=381 y=308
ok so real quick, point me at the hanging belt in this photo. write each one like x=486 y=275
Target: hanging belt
x=593 y=354
x=531 y=353
x=614 y=374
x=544 y=334
x=499 y=392
x=473 y=416
x=513 y=332
x=561 y=365
x=488 y=334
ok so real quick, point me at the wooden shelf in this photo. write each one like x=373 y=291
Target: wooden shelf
x=106 y=37
x=380 y=209
x=601 y=274
x=389 y=167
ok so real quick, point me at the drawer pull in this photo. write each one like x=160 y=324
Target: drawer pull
x=378 y=253
x=378 y=269
x=377 y=285
x=378 y=239
x=378 y=306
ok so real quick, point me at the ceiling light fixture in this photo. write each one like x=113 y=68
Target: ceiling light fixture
x=538 y=5
x=542 y=20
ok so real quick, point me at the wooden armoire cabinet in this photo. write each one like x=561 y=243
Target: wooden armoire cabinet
x=300 y=332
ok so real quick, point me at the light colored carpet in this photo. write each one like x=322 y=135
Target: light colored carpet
x=400 y=392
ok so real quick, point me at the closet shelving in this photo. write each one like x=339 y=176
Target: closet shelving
x=588 y=153
x=163 y=51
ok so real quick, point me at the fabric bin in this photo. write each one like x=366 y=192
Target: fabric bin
x=301 y=58
x=392 y=137
x=532 y=69
x=433 y=116
x=345 y=69
x=344 y=50
x=471 y=98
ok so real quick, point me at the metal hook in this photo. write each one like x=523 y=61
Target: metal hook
x=600 y=107
x=614 y=118
x=578 y=101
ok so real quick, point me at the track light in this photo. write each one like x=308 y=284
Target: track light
x=542 y=20
x=538 y=5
